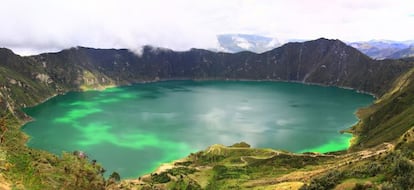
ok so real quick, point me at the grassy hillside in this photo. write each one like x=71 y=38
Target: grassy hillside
x=221 y=167
x=390 y=116
x=25 y=168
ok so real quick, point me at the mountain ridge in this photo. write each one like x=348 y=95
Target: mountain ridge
x=404 y=53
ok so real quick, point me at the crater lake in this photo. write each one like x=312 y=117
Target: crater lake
x=133 y=129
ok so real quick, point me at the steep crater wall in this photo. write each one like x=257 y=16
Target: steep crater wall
x=27 y=81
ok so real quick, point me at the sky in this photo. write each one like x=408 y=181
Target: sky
x=31 y=27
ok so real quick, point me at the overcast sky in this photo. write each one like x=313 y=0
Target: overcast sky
x=34 y=26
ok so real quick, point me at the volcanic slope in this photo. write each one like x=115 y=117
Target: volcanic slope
x=382 y=150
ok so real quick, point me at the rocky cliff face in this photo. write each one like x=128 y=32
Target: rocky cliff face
x=23 y=82
x=26 y=81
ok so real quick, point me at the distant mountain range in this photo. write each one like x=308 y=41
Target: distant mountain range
x=234 y=43
x=385 y=49
x=376 y=49
x=407 y=52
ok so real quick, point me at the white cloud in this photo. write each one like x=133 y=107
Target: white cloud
x=46 y=25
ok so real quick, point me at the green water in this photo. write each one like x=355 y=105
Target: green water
x=133 y=129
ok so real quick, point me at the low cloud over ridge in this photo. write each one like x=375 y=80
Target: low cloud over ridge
x=30 y=27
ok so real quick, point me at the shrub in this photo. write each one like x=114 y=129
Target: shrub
x=181 y=171
x=327 y=181
x=160 y=178
x=241 y=145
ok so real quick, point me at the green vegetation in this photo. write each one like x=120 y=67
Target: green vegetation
x=328 y=181
x=378 y=167
x=41 y=170
x=390 y=117
x=392 y=171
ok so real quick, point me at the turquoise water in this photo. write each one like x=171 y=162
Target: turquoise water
x=133 y=129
